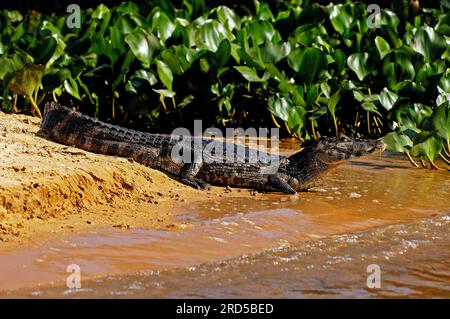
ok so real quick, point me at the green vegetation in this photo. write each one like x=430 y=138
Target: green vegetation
x=310 y=69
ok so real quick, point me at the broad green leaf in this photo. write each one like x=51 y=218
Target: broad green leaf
x=55 y=78
x=165 y=74
x=165 y=93
x=426 y=146
x=71 y=87
x=334 y=100
x=228 y=18
x=172 y=60
x=341 y=18
x=273 y=53
x=339 y=58
x=429 y=43
x=163 y=24
x=212 y=33
x=397 y=143
x=251 y=75
x=296 y=118
x=223 y=53
x=358 y=63
x=388 y=98
x=312 y=63
x=382 y=46
x=279 y=106
x=100 y=12
x=370 y=107
x=294 y=59
x=146 y=75
x=45 y=50
x=440 y=121
x=143 y=44
x=262 y=31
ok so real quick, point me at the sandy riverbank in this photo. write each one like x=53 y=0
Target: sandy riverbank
x=47 y=188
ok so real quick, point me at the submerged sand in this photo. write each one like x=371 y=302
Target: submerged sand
x=47 y=188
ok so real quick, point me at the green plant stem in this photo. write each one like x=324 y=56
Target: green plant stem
x=411 y=159
x=274 y=120
x=174 y=103
x=433 y=165
x=163 y=103
x=423 y=164
x=35 y=107
x=335 y=125
x=313 y=130
x=446 y=160
x=368 y=122
x=14 y=107
x=447 y=151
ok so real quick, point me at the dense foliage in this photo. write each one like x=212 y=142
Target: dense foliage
x=308 y=68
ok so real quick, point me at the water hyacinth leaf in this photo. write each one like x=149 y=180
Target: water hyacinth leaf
x=13 y=16
x=429 y=43
x=172 y=60
x=294 y=59
x=139 y=78
x=440 y=121
x=55 y=78
x=100 y=12
x=296 y=118
x=279 y=106
x=228 y=18
x=71 y=87
x=163 y=24
x=262 y=31
x=127 y=7
x=334 y=100
x=212 y=33
x=387 y=18
x=273 y=53
x=388 y=98
x=339 y=58
x=397 y=143
x=223 y=53
x=143 y=44
x=382 y=47
x=251 y=75
x=165 y=74
x=165 y=93
x=370 y=107
x=45 y=50
x=341 y=18
x=426 y=145
x=358 y=63
x=312 y=63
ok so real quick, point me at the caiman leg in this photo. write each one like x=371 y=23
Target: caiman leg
x=279 y=183
x=188 y=171
x=187 y=175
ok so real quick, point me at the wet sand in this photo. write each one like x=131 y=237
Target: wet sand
x=48 y=189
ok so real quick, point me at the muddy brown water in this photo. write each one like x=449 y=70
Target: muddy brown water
x=376 y=210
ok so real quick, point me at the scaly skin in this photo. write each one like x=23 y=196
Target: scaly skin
x=270 y=172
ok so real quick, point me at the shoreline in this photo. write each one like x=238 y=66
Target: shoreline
x=48 y=189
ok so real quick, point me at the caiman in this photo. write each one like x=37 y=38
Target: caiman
x=269 y=172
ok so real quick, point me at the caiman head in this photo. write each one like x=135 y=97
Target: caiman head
x=306 y=167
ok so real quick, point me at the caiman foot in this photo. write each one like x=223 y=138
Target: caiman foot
x=278 y=183
x=195 y=182
x=187 y=176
